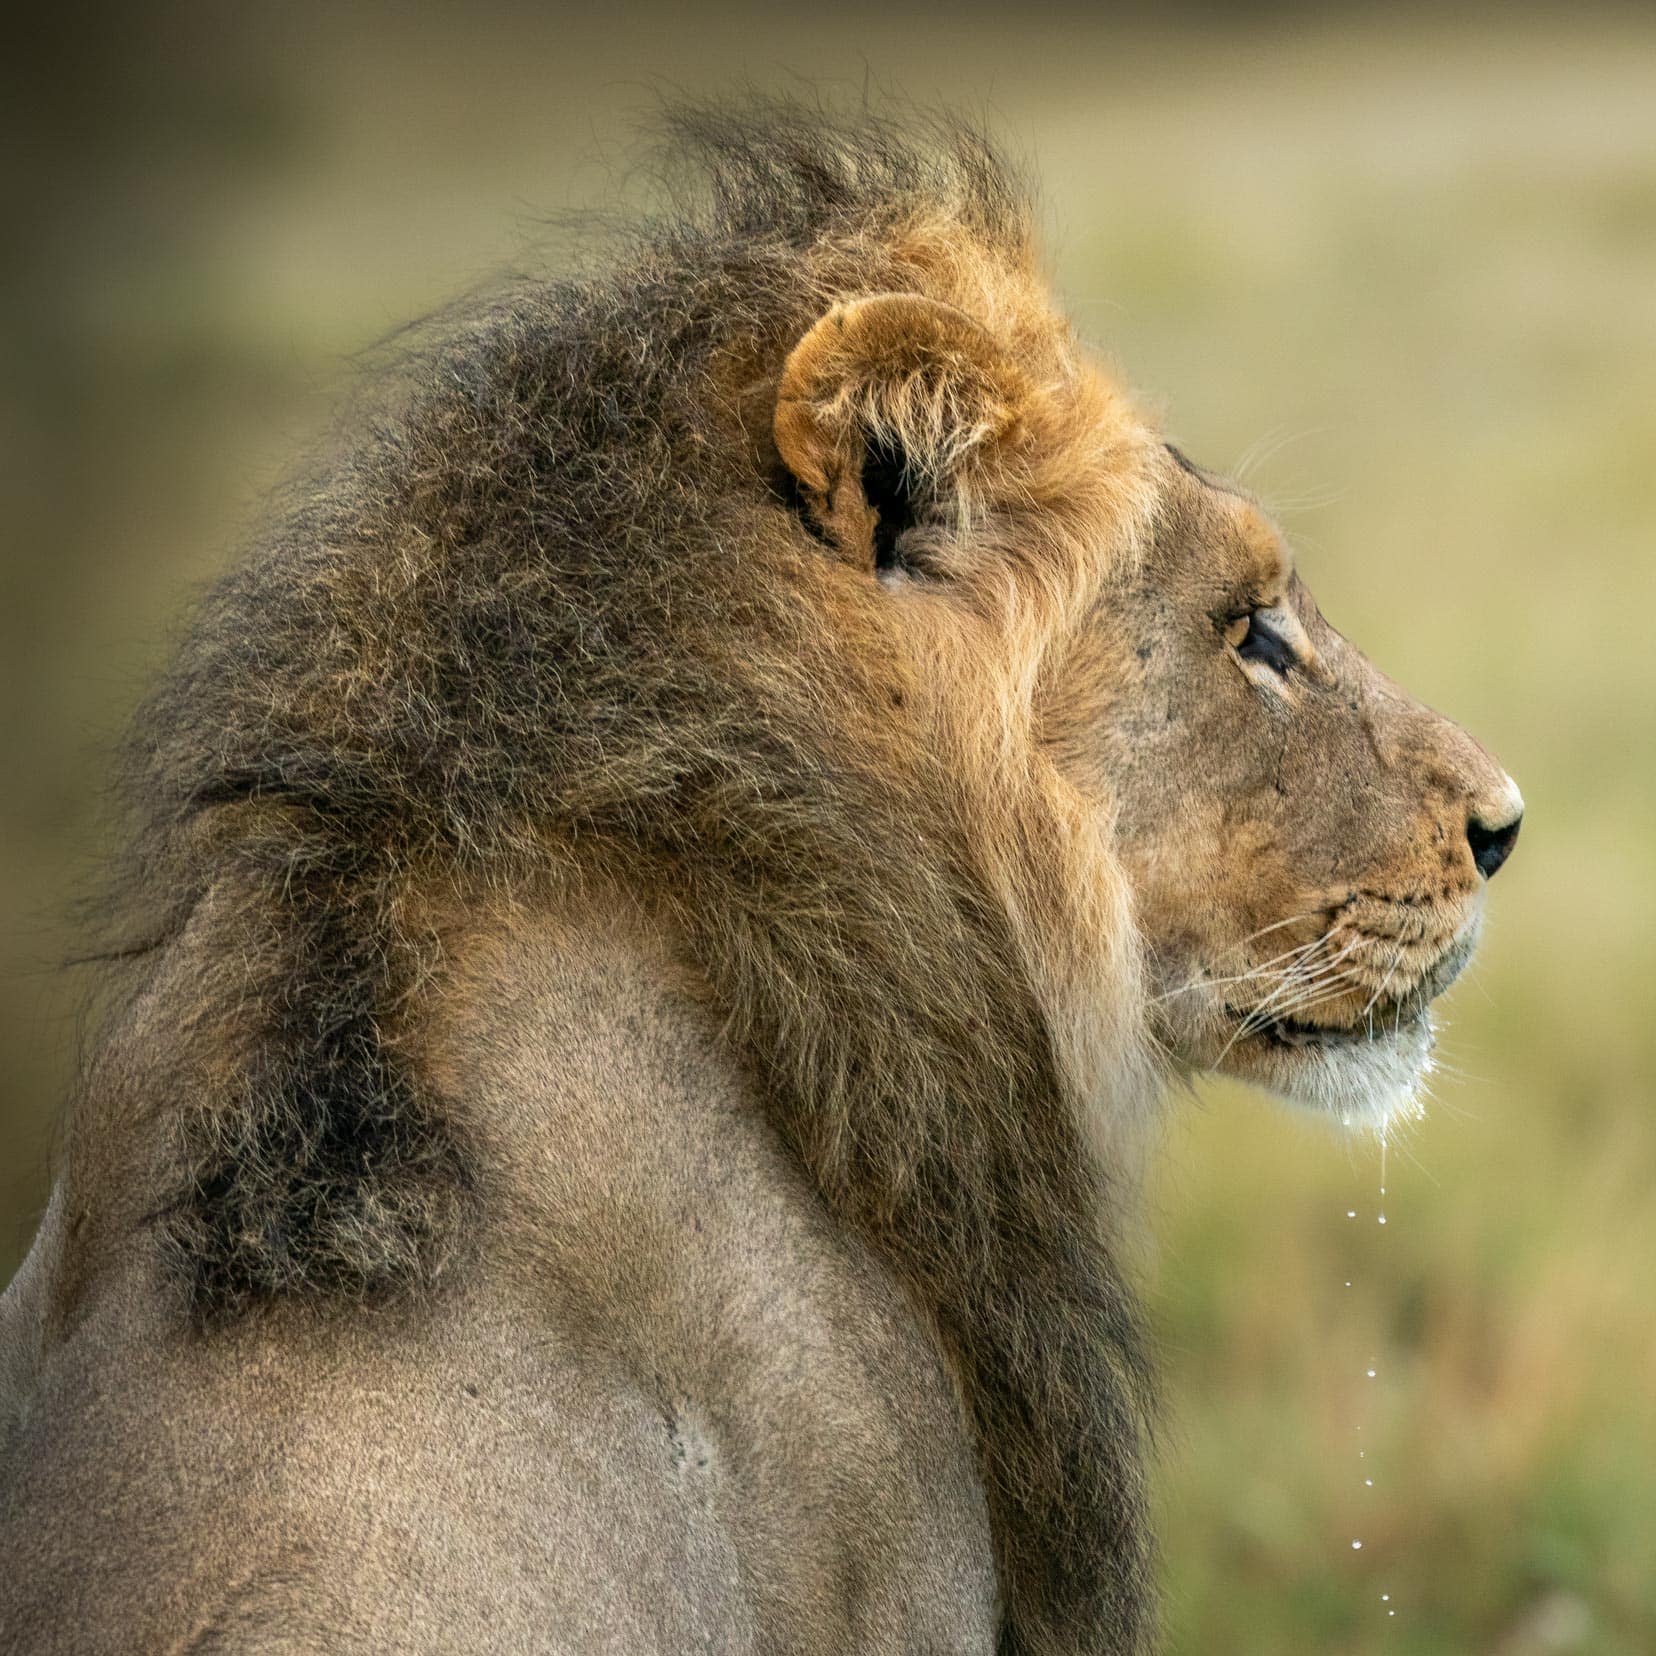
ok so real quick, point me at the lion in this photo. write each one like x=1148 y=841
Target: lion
x=663 y=895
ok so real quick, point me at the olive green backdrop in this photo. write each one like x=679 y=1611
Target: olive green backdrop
x=1400 y=273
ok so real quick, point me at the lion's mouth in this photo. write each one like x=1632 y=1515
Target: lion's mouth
x=1291 y=1032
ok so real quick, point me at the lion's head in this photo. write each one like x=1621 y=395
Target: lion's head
x=1306 y=846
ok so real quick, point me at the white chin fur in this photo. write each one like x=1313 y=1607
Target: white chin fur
x=1358 y=1083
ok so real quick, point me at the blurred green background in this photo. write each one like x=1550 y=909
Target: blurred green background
x=1399 y=271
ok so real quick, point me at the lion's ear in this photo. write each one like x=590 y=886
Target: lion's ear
x=888 y=413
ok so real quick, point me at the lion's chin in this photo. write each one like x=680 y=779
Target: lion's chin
x=1360 y=1076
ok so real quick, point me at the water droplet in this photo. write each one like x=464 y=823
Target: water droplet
x=1356 y=1546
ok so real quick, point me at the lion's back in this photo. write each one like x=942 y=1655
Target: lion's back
x=288 y=1485
x=664 y=1406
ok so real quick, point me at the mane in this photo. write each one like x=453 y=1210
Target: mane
x=546 y=613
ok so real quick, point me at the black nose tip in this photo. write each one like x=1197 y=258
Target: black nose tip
x=1492 y=846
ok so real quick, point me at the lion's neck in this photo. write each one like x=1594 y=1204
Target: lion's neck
x=566 y=1030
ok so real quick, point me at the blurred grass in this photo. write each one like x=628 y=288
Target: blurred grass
x=1409 y=268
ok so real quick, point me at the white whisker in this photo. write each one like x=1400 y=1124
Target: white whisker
x=1200 y=981
x=1326 y=989
x=1301 y=981
x=1374 y=999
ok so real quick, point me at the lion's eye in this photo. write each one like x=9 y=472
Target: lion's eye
x=1256 y=640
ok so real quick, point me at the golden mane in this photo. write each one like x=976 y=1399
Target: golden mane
x=558 y=610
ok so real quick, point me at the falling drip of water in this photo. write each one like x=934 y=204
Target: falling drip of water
x=1372 y=1373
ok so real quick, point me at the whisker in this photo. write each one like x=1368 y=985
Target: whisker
x=1224 y=1051
x=1401 y=1144
x=1313 y=992
x=1291 y=1005
x=1265 y=931
x=1302 y=981
x=1326 y=989
x=1201 y=981
x=1374 y=999
x=1267 y=447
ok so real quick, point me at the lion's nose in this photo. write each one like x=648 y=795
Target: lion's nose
x=1491 y=843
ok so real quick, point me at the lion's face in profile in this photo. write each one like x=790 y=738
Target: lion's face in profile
x=1305 y=847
